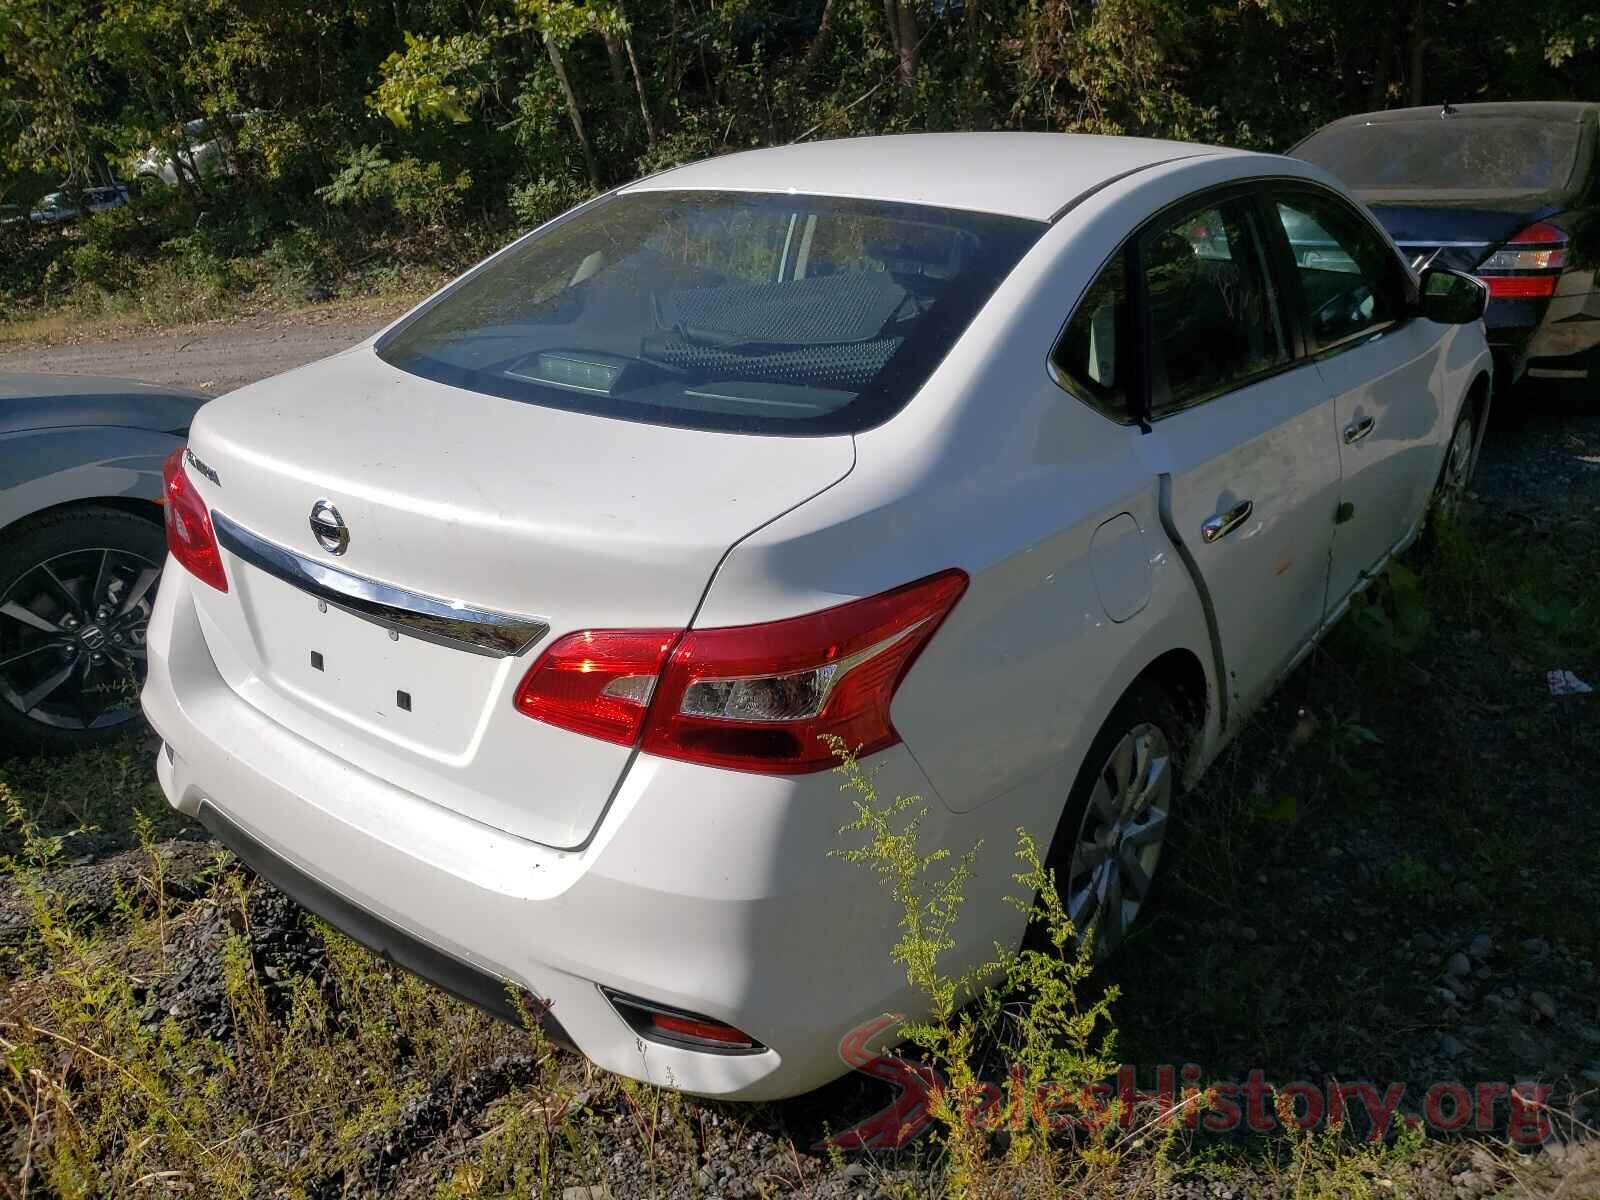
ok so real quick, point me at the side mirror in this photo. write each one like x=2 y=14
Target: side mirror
x=1452 y=297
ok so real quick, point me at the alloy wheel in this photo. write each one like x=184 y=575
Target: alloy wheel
x=1120 y=839
x=72 y=638
x=1457 y=468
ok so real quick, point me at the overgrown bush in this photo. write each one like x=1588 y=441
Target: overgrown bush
x=537 y=202
x=1020 y=1012
x=409 y=187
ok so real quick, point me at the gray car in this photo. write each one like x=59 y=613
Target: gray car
x=81 y=549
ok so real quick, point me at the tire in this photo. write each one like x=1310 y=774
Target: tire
x=76 y=589
x=1455 y=473
x=1128 y=821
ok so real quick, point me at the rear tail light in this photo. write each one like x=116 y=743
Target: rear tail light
x=598 y=682
x=753 y=697
x=1527 y=266
x=1520 y=287
x=190 y=538
x=764 y=697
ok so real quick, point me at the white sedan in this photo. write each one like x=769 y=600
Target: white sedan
x=1028 y=463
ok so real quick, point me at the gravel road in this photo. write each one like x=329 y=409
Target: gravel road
x=215 y=357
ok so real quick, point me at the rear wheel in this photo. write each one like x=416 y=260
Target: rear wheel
x=76 y=591
x=1109 y=844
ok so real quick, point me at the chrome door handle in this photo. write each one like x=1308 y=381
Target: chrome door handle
x=1224 y=523
x=1357 y=430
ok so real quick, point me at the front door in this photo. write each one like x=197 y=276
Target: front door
x=1378 y=364
x=1245 y=431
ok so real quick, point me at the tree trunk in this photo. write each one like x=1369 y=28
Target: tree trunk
x=672 y=53
x=619 y=69
x=819 y=42
x=974 y=105
x=1419 y=43
x=906 y=43
x=1380 y=75
x=638 y=85
x=572 y=109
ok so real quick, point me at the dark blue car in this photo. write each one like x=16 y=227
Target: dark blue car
x=1510 y=192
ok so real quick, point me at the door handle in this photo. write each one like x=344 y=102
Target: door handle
x=1224 y=523
x=1357 y=430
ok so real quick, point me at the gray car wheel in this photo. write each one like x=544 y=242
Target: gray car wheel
x=1114 y=828
x=76 y=591
x=1456 y=472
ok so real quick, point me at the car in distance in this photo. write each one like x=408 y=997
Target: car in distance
x=81 y=550
x=1498 y=190
x=510 y=639
x=58 y=207
x=200 y=149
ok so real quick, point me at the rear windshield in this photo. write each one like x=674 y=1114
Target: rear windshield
x=1482 y=154
x=751 y=313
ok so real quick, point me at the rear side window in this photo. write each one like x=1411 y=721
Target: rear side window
x=1350 y=276
x=1214 y=321
x=1100 y=330
x=731 y=311
x=1484 y=154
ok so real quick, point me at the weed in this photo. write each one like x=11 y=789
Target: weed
x=1057 y=1048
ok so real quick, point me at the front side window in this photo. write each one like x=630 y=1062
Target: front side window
x=1214 y=321
x=1350 y=276
x=730 y=311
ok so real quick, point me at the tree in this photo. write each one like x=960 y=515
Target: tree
x=900 y=19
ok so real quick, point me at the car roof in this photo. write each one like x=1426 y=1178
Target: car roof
x=1528 y=110
x=1030 y=175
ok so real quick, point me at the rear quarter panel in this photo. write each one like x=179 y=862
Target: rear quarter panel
x=43 y=468
x=994 y=469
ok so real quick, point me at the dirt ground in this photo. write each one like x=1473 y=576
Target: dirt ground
x=215 y=357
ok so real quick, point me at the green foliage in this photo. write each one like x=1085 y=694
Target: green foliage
x=408 y=186
x=1024 y=1004
x=1392 y=616
x=537 y=202
x=113 y=1101
x=417 y=82
x=430 y=112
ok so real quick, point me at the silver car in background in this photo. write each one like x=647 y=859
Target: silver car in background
x=81 y=550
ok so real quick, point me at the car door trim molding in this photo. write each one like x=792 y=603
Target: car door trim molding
x=1207 y=605
x=399 y=610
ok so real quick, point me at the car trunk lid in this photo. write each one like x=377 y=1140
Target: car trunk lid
x=1458 y=235
x=476 y=530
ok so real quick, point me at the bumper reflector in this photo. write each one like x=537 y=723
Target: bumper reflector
x=675 y=1027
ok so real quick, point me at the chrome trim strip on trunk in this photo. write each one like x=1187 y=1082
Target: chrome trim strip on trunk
x=428 y=618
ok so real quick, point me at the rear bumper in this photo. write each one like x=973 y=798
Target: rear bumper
x=703 y=890
x=1558 y=338
x=389 y=942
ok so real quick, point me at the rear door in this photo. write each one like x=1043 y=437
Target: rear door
x=1245 y=430
x=1377 y=361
